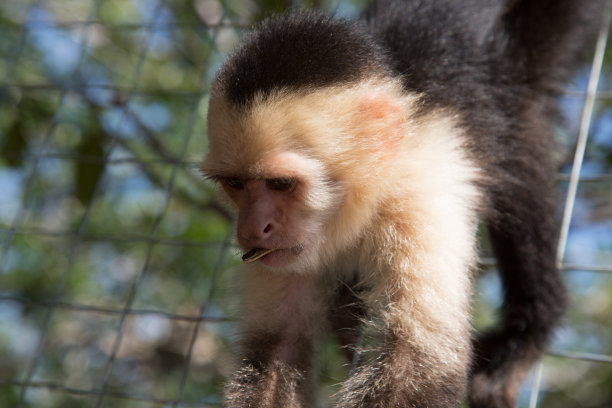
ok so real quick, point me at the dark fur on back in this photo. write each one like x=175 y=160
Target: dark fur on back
x=443 y=46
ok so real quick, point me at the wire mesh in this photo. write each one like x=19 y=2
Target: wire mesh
x=116 y=262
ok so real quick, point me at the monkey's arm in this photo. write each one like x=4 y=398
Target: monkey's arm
x=419 y=300
x=416 y=266
x=282 y=321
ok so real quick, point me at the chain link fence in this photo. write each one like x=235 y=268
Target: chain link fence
x=117 y=265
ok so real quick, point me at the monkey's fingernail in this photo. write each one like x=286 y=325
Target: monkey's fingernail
x=255 y=254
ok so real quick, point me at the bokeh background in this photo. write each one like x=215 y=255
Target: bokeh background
x=117 y=265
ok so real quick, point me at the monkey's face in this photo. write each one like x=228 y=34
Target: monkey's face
x=282 y=210
x=267 y=213
x=306 y=171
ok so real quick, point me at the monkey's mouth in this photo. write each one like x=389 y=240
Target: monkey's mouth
x=256 y=254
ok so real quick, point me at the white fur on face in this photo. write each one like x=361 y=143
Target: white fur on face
x=360 y=149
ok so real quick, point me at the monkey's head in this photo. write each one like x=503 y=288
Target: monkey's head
x=304 y=151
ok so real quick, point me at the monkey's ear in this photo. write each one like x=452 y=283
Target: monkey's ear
x=384 y=118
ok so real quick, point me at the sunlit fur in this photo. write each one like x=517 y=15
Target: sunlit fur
x=331 y=129
x=389 y=193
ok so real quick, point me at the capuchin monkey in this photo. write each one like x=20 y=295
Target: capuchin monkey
x=361 y=157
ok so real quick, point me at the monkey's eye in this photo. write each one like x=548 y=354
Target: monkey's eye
x=282 y=184
x=233 y=183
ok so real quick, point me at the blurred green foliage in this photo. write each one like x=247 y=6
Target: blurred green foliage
x=106 y=226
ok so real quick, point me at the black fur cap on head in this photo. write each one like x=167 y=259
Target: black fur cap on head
x=300 y=50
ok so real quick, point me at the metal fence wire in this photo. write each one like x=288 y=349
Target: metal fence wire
x=116 y=260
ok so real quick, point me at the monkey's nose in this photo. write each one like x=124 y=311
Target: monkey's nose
x=263 y=232
x=256 y=231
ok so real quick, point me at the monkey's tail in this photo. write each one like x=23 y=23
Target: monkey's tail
x=539 y=40
x=543 y=38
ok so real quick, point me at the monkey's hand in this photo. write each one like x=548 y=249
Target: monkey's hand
x=282 y=321
x=402 y=377
x=275 y=385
